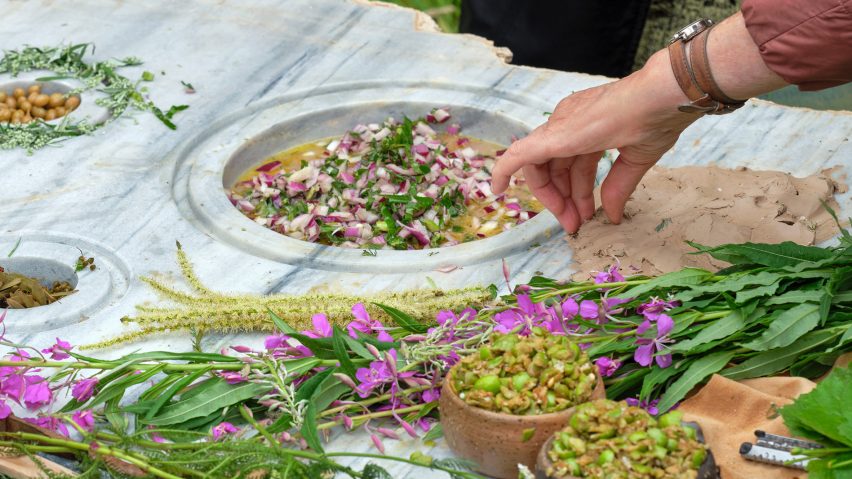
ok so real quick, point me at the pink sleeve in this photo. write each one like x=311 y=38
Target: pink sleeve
x=806 y=42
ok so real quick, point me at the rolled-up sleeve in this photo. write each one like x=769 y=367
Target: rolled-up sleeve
x=806 y=42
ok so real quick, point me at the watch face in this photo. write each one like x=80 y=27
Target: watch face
x=692 y=29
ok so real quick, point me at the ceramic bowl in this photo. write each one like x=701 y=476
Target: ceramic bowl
x=495 y=441
x=708 y=469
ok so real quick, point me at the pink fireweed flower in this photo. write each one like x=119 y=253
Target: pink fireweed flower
x=223 y=429
x=322 y=328
x=5 y=410
x=13 y=385
x=280 y=347
x=84 y=419
x=49 y=422
x=522 y=318
x=651 y=407
x=367 y=325
x=607 y=366
x=430 y=395
x=378 y=374
x=609 y=275
x=58 y=351
x=652 y=347
x=589 y=309
x=37 y=393
x=84 y=389
x=654 y=308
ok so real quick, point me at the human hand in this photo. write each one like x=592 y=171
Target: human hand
x=637 y=115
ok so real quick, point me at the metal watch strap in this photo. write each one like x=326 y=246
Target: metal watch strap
x=704 y=76
x=699 y=101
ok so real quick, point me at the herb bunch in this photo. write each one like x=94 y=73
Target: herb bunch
x=70 y=62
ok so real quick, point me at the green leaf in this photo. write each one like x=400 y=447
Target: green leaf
x=435 y=433
x=309 y=428
x=773 y=255
x=404 y=320
x=175 y=388
x=721 y=328
x=303 y=393
x=116 y=389
x=358 y=348
x=796 y=296
x=298 y=367
x=684 y=277
x=787 y=328
x=328 y=391
x=657 y=376
x=758 y=292
x=779 y=359
x=694 y=374
x=216 y=398
x=824 y=412
x=280 y=324
x=341 y=352
x=847 y=336
x=733 y=283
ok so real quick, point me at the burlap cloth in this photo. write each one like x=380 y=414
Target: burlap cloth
x=730 y=411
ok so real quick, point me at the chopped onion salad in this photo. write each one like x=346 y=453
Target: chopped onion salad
x=394 y=185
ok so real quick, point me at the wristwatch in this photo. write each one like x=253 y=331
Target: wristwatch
x=688 y=55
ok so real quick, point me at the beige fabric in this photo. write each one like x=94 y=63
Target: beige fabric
x=729 y=412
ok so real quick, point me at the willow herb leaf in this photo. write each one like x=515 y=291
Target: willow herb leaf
x=329 y=390
x=404 y=320
x=786 y=254
x=656 y=377
x=796 y=296
x=116 y=389
x=309 y=428
x=681 y=278
x=721 y=328
x=787 y=327
x=779 y=359
x=174 y=389
x=216 y=398
x=697 y=372
x=342 y=353
x=435 y=433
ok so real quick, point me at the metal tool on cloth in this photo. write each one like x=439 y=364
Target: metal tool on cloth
x=774 y=449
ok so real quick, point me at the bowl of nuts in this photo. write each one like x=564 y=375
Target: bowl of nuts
x=25 y=102
x=611 y=439
x=500 y=404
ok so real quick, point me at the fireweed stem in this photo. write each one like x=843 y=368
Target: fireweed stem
x=589 y=286
x=104 y=366
x=101 y=450
x=373 y=415
x=374 y=400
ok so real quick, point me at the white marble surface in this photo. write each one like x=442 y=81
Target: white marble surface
x=120 y=194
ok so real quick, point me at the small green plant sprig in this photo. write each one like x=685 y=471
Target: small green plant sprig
x=69 y=62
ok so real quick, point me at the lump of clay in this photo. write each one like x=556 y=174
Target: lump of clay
x=711 y=206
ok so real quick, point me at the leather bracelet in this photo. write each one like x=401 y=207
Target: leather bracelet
x=704 y=76
x=692 y=72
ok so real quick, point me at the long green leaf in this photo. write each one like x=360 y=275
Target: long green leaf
x=758 y=292
x=116 y=389
x=779 y=359
x=327 y=392
x=404 y=320
x=787 y=327
x=773 y=255
x=309 y=428
x=684 y=277
x=721 y=328
x=214 y=399
x=169 y=393
x=657 y=376
x=280 y=323
x=342 y=353
x=796 y=296
x=694 y=374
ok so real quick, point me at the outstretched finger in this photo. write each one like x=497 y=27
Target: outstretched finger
x=536 y=148
x=620 y=183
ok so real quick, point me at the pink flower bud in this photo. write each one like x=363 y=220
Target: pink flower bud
x=347 y=422
x=387 y=433
x=241 y=349
x=378 y=442
x=373 y=350
x=408 y=428
x=345 y=379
